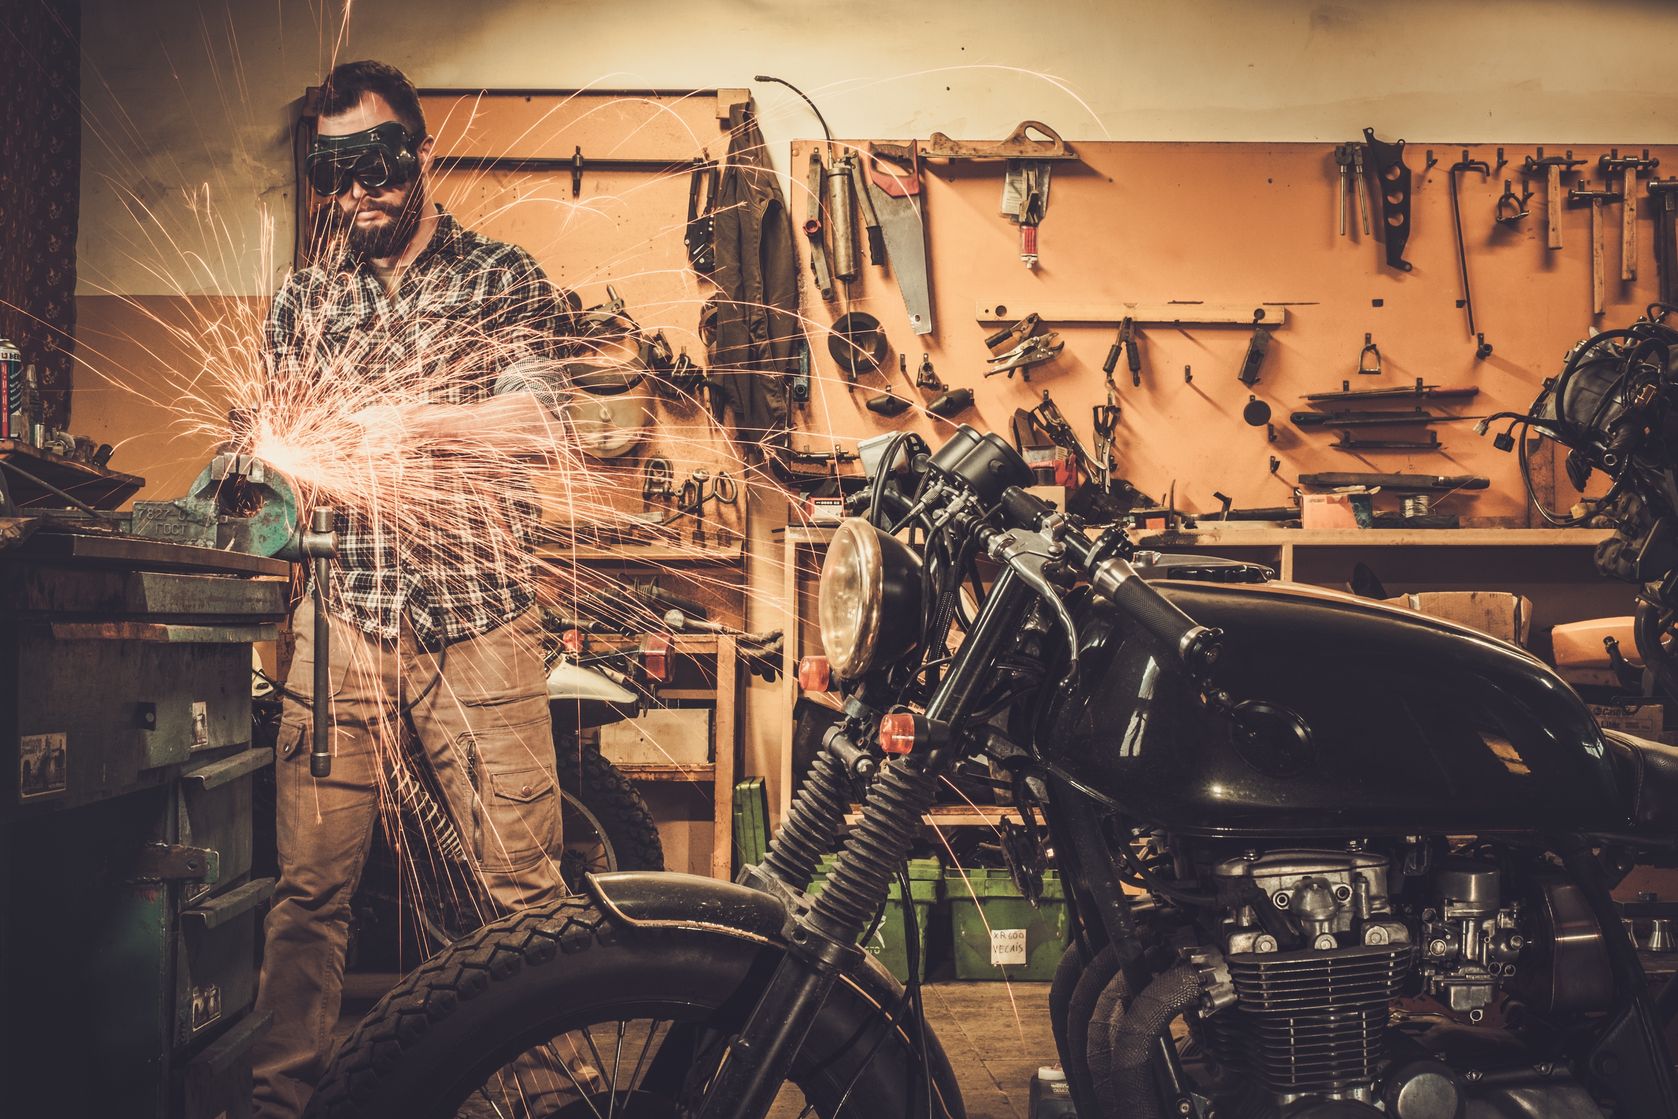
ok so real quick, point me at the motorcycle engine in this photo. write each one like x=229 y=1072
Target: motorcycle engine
x=1312 y=951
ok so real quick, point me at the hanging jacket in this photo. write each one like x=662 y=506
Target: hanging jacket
x=757 y=320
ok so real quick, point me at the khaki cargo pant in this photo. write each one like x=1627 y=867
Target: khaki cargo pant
x=485 y=729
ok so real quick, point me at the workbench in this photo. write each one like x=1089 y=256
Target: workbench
x=131 y=922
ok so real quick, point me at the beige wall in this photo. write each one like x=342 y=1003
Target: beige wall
x=185 y=97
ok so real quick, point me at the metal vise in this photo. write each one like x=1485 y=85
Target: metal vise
x=237 y=503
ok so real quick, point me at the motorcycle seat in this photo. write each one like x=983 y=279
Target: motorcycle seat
x=1648 y=778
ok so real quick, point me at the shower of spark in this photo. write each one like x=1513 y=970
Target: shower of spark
x=341 y=421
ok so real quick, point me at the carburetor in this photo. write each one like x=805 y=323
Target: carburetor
x=1471 y=941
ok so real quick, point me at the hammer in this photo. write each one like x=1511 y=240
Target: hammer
x=1629 y=167
x=1554 y=167
x=1579 y=196
x=1665 y=192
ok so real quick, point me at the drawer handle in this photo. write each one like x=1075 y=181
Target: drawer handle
x=223 y=770
x=219 y=910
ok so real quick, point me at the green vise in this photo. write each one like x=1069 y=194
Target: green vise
x=239 y=502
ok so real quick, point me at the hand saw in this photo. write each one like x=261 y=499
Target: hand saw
x=894 y=185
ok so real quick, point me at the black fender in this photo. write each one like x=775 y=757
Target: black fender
x=671 y=901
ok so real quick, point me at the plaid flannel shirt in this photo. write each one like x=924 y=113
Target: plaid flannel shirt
x=465 y=309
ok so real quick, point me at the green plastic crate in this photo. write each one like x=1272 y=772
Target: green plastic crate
x=889 y=943
x=991 y=921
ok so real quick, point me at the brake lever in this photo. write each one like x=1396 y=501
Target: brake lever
x=1013 y=550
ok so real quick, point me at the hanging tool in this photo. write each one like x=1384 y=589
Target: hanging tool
x=1397 y=483
x=870 y=216
x=815 y=228
x=950 y=404
x=841 y=219
x=857 y=343
x=1418 y=391
x=1105 y=423
x=894 y=188
x=1369 y=358
x=1343 y=160
x=1553 y=167
x=886 y=404
x=1025 y=199
x=1349 y=159
x=1257 y=346
x=1482 y=349
x=1348 y=443
x=1629 y=167
x=1394 y=180
x=1585 y=196
x=700 y=234
x=1034 y=350
x=1256 y=412
x=927 y=378
x=1017 y=145
x=1511 y=208
x=1347 y=420
x=1124 y=342
x=1664 y=193
x=1027 y=347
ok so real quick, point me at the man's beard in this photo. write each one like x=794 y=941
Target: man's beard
x=388 y=239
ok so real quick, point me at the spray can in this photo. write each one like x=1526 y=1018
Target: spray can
x=11 y=385
x=1051 y=1097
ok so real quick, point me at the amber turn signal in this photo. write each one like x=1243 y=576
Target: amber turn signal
x=897 y=732
x=815 y=675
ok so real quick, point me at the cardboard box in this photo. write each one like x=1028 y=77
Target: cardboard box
x=1498 y=613
x=1645 y=720
x=1334 y=510
x=663 y=736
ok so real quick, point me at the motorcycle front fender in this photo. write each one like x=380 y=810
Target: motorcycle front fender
x=669 y=900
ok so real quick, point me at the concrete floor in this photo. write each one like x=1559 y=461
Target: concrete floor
x=996 y=1035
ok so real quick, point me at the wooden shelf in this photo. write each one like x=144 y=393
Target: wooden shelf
x=1378 y=538
x=642 y=553
x=958 y=815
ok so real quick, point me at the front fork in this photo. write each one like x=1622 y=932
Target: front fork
x=822 y=938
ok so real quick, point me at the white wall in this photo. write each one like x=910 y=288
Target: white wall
x=185 y=98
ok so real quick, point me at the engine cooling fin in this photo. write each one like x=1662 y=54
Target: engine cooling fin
x=1312 y=1021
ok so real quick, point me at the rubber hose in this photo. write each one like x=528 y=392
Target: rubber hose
x=1134 y=1034
x=812 y=823
x=1115 y=996
x=1081 y=1027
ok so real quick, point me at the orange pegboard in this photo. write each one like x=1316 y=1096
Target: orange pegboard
x=1244 y=225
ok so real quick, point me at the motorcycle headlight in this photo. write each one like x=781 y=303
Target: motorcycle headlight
x=870 y=598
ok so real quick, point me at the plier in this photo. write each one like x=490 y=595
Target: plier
x=1032 y=351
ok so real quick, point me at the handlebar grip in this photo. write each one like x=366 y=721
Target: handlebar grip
x=1195 y=645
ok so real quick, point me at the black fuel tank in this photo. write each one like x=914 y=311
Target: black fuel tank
x=1417 y=726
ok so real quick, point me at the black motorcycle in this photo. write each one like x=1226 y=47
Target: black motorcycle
x=1375 y=854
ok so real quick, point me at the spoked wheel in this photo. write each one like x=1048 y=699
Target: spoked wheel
x=554 y=1013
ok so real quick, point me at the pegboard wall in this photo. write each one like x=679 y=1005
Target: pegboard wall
x=1249 y=226
x=616 y=227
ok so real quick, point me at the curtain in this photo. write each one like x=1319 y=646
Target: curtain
x=40 y=187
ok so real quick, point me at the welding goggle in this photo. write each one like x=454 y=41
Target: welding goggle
x=384 y=156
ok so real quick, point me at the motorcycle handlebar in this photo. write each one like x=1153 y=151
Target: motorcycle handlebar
x=1195 y=645
x=1117 y=581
